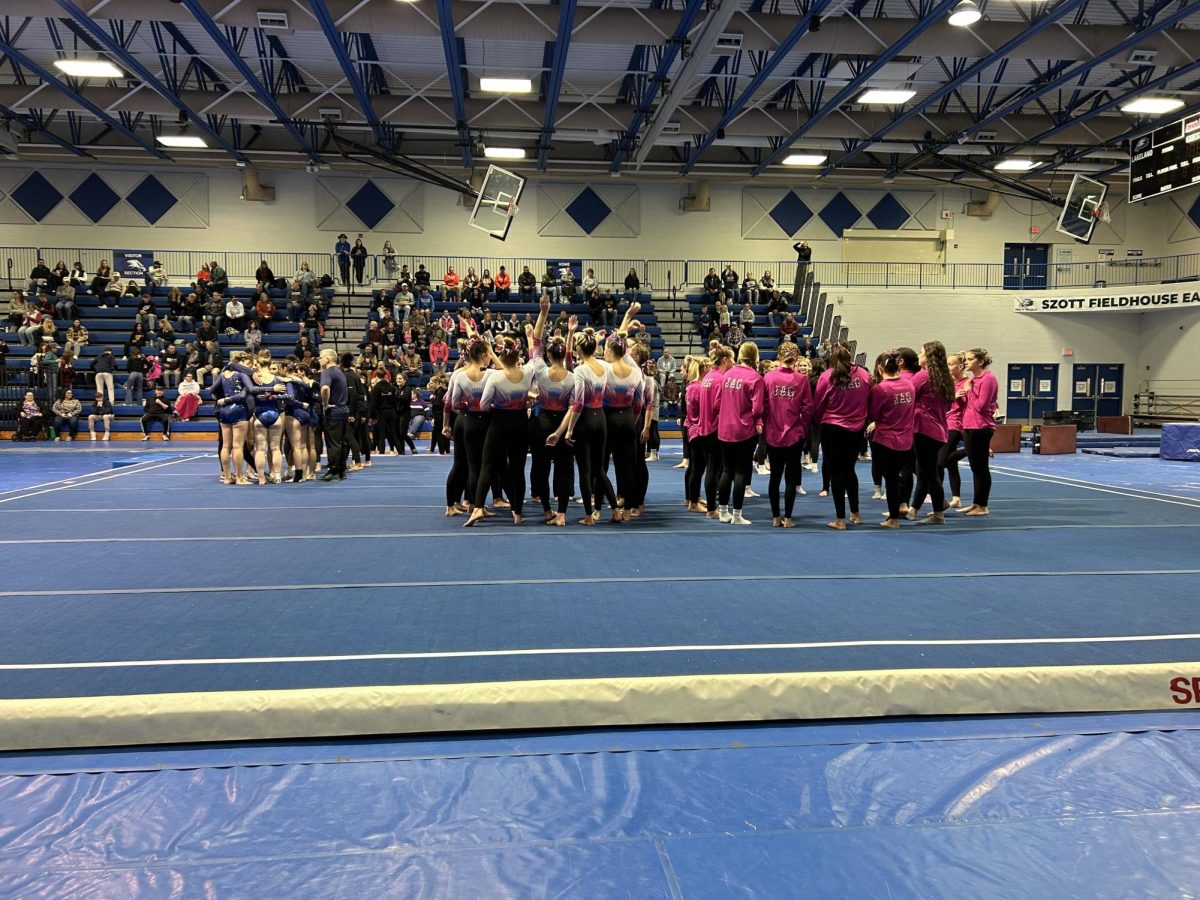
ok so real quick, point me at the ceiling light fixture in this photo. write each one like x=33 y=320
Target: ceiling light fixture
x=1152 y=106
x=184 y=141
x=805 y=159
x=883 y=97
x=88 y=68
x=965 y=13
x=1015 y=165
x=506 y=85
x=504 y=152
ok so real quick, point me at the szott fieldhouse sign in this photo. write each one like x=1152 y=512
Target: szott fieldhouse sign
x=1185 y=295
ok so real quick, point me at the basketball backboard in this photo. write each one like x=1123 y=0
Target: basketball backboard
x=1083 y=208
x=496 y=203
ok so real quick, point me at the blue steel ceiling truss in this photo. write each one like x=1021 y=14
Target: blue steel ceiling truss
x=930 y=15
x=552 y=80
x=116 y=45
x=456 y=72
x=764 y=72
x=626 y=142
x=225 y=41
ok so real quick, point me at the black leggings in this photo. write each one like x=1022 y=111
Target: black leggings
x=402 y=425
x=948 y=461
x=929 y=475
x=908 y=470
x=456 y=480
x=738 y=462
x=785 y=466
x=891 y=465
x=693 y=476
x=590 y=433
x=543 y=457
x=841 y=448
x=504 y=452
x=438 y=441
x=622 y=446
x=655 y=442
x=471 y=435
x=979 y=441
x=385 y=431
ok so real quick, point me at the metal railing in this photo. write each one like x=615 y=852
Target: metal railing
x=663 y=275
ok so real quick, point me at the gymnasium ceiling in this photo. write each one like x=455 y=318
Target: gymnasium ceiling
x=640 y=88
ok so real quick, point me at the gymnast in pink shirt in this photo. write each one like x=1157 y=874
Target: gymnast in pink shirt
x=695 y=371
x=713 y=463
x=739 y=421
x=979 y=423
x=933 y=388
x=891 y=411
x=786 y=416
x=840 y=406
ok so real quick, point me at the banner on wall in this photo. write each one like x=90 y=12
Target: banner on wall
x=1127 y=299
x=561 y=267
x=132 y=263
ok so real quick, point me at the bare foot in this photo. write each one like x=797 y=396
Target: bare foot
x=559 y=521
x=476 y=516
x=588 y=521
x=776 y=522
x=977 y=511
x=967 y=510
x=787 y=523
x=618 y=516
x=837 y=525
x=453 y=511
x=501 y=504
x=488 y=514
x=855 y=519
x=890 y=523
x=712 y=515
x=518 y=519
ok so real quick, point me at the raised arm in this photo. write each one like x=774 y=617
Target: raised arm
x=543 y=310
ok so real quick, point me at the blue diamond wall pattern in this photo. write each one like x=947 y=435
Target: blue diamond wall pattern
x=588 y=210
x=151 y=199
x=36 y=196
x=888 y=214
x=94 y=197
x=790 y=213
x=370 y=204
x=840 y=214
x=1194 y=213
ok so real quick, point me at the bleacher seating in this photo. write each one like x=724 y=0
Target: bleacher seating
x=765 y=335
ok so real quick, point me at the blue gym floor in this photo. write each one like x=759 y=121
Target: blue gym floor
x=153 y=579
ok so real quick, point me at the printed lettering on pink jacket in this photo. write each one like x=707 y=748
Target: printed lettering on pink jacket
x=741 y=405
x=892 y=410
x=788 y=407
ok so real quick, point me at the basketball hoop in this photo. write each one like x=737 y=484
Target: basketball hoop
x=1103 y=212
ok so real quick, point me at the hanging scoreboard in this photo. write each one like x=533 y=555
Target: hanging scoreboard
x=1165 y=160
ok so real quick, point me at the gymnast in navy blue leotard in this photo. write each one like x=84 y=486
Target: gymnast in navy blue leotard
x=233 y=416
x=270 y=395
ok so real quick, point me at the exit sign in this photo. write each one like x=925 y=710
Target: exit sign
x=1033 y=229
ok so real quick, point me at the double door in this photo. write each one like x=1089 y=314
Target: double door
x=1026 y=266
x=1098 y=388
x=1032 y=391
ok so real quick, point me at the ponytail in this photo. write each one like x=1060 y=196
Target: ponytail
x=841 y=363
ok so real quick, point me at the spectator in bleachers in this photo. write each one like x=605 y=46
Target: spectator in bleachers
x=475 y=297
x=471 y=279
x=303 y=344
x=16 y=311
x=311 y=325
x=30 y=419
x=103 y=367
x=166 y=333
x=730 y=284
x=253 y=336
x=712 y=285
x=447 y=323
x=264 y=274
x=566 y=287
x=66 y=416
x=358 y=256
x=450 y=285
x=58 y=275
x=156 y=409
x=157 y=276
x=824 y=350
x=39 y=276
x=410 y=364
x=590 y=283
x=188 y=402
x=206 y=331
x=807 y=350
x=220 y=278
x=153 y=370
x=425 y=298
x=609 y=314
x=788 y=328
x=391 y=334
x=306 y=279
x=66 y=369
x=734 y=336
x=137 y=338
x=422 y=278
x=421 y=340
x=297 y=302
x=172 y=363
x=595 y=305
x=749 y=289
x=104 y=275
x=503 y=285
x=374 y=335
x=666 y=366
x=803 y=259
x=49 y=332
x=112 y=292
x=724 y=320
x=211 y=362
x=404 y=302
x=439 y=353
x=235 y=316
x=550 y=283
x=102 y=412
x=78 y=276
x=43 y=366
x=147 y=313
x=767 y=283
x=777 y=308
x=526 y=284
x=3 y=362
x=203 y=282
x=389 y=259
x=191 y=358
x=135 y=380
x=746 y=319
x=487 y=284
x=30 y=329
x=632 y=286
x=64 y=302
x=183 y=310
x=264 y=311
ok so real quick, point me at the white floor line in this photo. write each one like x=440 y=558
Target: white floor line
x=1133 y=493
x=594 y=651
x=591 y=582
x=31 y=487
x=119 y=473
x=537 y=530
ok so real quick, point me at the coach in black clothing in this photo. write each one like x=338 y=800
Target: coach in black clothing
x=334 y=401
